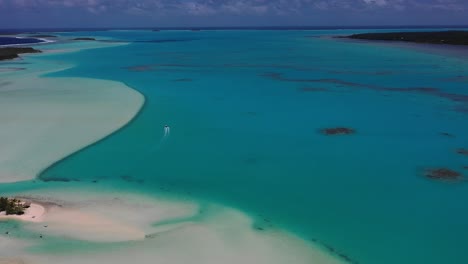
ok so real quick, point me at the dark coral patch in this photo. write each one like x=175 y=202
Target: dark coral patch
x=57 y=179
x=140 y=68
x=89 y=39
x=164 y=40
x=443 y=174
x=462 y=151
x=445 y=134
x=335 y=252
x=459 y=78
x=129 y=178
x=183 y=80
x=337 y=131
x=312 y=89
x=458 y=98
x=3 y=84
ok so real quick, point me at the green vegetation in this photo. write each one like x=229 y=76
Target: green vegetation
x=439 y=37
x=12 y=52
x=12 y=206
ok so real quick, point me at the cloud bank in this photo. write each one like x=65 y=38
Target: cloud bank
x=136 y=13
x=243 y=7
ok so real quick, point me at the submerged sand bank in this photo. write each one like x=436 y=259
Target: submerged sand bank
x=161 y=230
x=46 y=119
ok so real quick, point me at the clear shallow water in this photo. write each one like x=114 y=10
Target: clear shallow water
x=245 y=108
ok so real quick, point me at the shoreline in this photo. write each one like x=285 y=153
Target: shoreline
x=35 y=213
x=456 y=37
x=159 y=228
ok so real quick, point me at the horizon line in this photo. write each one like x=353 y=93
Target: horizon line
x=240 y=27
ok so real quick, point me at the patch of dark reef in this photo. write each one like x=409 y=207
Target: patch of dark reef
x=140 y=68
x=3 y=84
x=311 y=89
x=455 y=37
x=183 y=80
x=88 y=39
x=56 y=179
x=112 y=41
x=463 y=79
x=164 y=40
x=462 y=151
x=443 y=174
x=151 y=67
x=335 y=252
x=129 y=178
x=458 y=98
x=42 y=36
x=445 y=134
x=337 y=131
x=13 y=52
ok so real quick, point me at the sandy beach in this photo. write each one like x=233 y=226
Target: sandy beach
x=159 y=229
x=35 y=213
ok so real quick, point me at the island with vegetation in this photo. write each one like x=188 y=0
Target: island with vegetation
x=337 y=131
x=13 y=52
x=13 y=206
x=434 y=37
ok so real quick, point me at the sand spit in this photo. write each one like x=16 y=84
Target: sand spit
x=161 y=230
x=46 y=119
x=35 y=213
x=112 y=217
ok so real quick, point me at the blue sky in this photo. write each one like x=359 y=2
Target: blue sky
x=164 y=13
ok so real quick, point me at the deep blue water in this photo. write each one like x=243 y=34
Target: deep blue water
x=12 y=40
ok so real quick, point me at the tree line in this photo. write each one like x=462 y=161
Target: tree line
x=12 y=206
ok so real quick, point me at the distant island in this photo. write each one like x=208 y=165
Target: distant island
x=13 y=206
x=84 y=39
x=13 y=52
x=439 y=37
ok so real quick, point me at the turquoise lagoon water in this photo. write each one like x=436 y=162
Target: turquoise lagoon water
x=245 y=110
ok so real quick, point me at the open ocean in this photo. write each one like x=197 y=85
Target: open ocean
x=5 y=41
x=246 y=109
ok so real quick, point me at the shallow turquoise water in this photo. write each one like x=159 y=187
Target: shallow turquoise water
x=245 y=110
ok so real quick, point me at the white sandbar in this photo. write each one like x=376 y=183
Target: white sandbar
x=163 y=231
x=34 y=213
x=46 y=119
